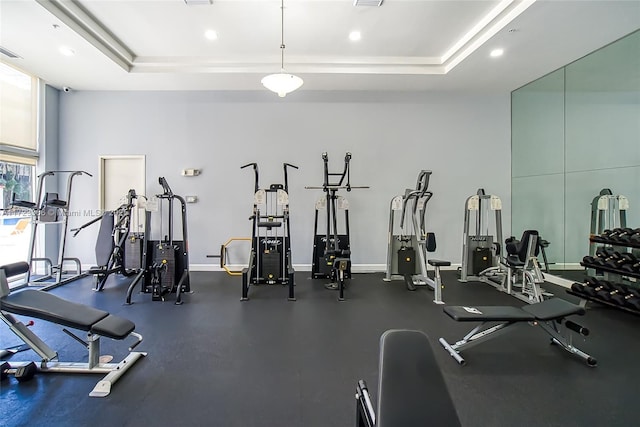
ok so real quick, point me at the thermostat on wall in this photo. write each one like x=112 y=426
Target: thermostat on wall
x=190 y=172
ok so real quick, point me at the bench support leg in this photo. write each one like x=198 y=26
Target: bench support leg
x=473 y=338
x=557 y=338
x=437 y=287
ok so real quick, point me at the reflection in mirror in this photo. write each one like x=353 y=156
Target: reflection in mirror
x=576 y=132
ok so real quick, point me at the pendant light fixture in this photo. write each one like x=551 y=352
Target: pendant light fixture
x=282 y=83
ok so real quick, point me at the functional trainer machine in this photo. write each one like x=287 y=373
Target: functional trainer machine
x=270 y=257
x=408 y=241
x=111 y=242
x=48 y=208
x=332 y=250
x=165 y=262
x=481 y=247
x=550 y=315
x=96 y=323
x=411 y=389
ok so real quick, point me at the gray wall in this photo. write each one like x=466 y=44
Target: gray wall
x=464 y=139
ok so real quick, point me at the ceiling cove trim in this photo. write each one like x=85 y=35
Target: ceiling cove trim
x=72 y=14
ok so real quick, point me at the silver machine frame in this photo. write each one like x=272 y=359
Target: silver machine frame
x=39 y=211
x=413 y=204
x=608 y=211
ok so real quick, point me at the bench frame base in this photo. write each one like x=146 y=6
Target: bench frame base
x=50 y=363
x=483 y=333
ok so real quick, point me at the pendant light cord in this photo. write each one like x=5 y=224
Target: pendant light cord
x=282 y=35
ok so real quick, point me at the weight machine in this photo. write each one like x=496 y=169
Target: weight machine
x=408 y=241
x=165 y=263
x=481 y=247
x=48 y=208
x=332 y=250
x=270 y=257
x=111 y=247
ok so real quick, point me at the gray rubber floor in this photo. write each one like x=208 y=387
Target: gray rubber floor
x=216 y=361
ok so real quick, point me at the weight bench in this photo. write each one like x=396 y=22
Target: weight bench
x=549 y=315
x=411 y=389
x=46 y=306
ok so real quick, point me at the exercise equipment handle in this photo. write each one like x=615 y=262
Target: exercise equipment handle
x=255 y=170
x=577 y=328
x=286 y=178
x=165 y=187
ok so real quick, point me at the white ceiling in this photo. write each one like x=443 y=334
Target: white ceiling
x=406 y=45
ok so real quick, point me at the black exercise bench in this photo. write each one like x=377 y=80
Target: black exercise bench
x=46 y=306
x=549 y=315
x=411 y=389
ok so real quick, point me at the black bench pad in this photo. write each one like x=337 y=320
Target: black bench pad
x=113 y=327
x=411 y=389
x=51 y=308
x=554 y=308
x=488 y=314
x=439 y=263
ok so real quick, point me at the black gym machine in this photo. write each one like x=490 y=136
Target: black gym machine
x=270 y=257
x=164 y=267
x=113 y=236
x=331 y=250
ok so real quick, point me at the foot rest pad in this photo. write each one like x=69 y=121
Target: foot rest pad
x=113 y=327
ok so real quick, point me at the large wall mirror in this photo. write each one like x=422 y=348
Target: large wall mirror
x=576 y=132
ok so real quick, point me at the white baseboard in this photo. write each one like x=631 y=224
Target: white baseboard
x=355 y=268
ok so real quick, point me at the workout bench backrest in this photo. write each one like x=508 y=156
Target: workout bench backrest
x=411 y=389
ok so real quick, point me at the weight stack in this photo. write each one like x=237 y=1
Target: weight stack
x=407 y=261
x=165 y=252
x=271 y=266
x=133 y=252
x=482 y=259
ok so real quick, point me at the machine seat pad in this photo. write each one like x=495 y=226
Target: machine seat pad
x=51 y=308
x=411 y=389
x=554 y=308
x=113 y=327
x=488 y=314
x=439 y=263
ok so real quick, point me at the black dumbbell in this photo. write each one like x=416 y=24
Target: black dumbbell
x=594 y=286
x=632 y=265
x=21 y=373
x=625 y=235
x=632 y=299
x=616 y=294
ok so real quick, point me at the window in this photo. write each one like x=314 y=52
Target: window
x=18 y=155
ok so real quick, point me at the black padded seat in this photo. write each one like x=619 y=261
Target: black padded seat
x=554 y=308
x=52 y=309
x=113 y=327
x=411 y=389
x=439 y=263
x=488 y=314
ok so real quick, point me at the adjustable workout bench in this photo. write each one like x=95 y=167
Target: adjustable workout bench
x=96 y=323
x=411 y=390
x=548 y=314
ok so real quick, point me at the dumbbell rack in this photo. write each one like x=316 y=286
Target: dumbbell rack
x=615 y=275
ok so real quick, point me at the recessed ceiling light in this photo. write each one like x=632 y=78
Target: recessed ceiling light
x=211 y=35
x=496 y=52
x=67 y=51
x=354 y=36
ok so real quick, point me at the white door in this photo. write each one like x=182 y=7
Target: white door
x=119 y=174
